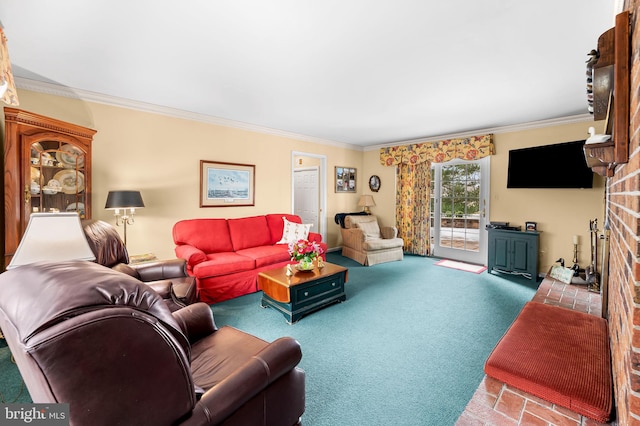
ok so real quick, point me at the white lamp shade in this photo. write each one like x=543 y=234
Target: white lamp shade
x=52 y=237
x=366 y=201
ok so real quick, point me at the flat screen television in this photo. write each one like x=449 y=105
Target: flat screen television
x=560 y=165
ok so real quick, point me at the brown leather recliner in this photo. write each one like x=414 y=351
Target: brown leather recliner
x=106 y=344
x=167 y=277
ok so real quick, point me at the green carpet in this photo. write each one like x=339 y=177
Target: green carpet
x=406 y=348
x=12 y=388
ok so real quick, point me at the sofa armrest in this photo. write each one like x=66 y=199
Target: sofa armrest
x=221 y=401
x=196 y=321
x=191 y=254
x=388 y=232
x=353 y=238
x=314 y=236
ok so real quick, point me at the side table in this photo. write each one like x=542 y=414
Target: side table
x=142 y=258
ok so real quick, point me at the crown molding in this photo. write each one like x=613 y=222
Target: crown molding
x=88 y=96
x=494 y=130
x=85 y=95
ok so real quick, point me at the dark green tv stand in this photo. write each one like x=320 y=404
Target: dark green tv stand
x=514 y=252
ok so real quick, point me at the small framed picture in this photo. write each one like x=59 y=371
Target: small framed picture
x=345 y=179
x=531 y=226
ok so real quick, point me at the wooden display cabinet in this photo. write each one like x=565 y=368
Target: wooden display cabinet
x=47 y=168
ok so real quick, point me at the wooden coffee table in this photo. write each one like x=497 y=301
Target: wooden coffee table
x=303 y=292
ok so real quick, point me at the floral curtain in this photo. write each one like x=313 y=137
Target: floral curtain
x=413 y=177
x=10 y=96
x=412 y=206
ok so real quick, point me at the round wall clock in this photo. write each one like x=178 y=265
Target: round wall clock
x=374 y=183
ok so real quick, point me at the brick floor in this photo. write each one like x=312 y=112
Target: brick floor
x=495 y=403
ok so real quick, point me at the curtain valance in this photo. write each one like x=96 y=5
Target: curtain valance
x=471 y=148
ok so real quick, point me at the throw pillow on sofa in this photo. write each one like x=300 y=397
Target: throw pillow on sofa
x=293 y=232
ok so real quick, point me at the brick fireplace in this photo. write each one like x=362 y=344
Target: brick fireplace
x=623 y=215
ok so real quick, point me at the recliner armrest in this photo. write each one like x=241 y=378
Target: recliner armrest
x=161 y=270
x=162 y=287
x=255 y=375
x=196 y=321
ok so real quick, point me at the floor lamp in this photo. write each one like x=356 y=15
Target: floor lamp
x=128 y=201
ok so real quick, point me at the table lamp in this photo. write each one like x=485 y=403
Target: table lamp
x=366 y=201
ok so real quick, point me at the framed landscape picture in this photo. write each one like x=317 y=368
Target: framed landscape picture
x=345 y=179
x=226 y=184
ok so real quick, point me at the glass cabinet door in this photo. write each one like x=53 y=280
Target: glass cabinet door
x=56 y=177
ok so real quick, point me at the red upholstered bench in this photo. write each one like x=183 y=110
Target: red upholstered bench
x=559 y=355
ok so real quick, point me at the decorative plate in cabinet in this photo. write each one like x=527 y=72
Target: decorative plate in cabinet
x=70 y=185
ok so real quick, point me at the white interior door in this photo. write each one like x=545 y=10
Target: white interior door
x=306 y=196
x=459 y=210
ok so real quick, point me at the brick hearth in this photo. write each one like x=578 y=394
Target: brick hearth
x=495 y=403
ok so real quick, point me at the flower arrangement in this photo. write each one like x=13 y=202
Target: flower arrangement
x=304 y=251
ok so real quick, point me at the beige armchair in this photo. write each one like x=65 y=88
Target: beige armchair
x=364 y=241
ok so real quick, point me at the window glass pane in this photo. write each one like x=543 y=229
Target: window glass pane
x=460 y=205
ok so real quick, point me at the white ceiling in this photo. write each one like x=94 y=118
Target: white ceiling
x=360 y=72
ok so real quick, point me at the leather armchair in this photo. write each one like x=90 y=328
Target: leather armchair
x=368 y=243
x=167 y=277
x=105 y=343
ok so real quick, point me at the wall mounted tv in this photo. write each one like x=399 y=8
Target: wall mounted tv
x=560 y=165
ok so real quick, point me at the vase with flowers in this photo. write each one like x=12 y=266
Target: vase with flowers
x=305 y=252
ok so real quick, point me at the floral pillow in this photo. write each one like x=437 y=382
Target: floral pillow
x=293 y=232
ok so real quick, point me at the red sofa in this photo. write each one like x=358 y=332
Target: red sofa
x=225 y=255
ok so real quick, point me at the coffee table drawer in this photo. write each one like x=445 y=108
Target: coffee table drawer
x=323 y=289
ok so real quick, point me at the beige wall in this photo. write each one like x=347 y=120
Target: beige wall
x=385 y=198
x=560 y=213
x=159 y=155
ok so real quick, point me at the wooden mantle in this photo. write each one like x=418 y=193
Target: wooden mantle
x=611 y=88
x=600 y=157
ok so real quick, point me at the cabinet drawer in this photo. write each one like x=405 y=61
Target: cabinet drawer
x=318 y=289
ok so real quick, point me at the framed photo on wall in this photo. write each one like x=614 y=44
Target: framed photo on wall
x=345 y=179
x=226 y=184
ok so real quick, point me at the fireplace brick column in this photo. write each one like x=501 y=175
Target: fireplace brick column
x=623 y=216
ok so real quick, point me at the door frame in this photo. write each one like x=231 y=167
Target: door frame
x=485 y=185
x=322 y=217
